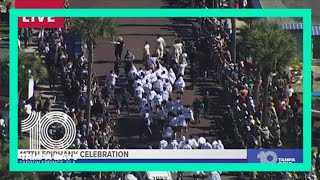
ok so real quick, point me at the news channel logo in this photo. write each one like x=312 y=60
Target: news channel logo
x=38 y=128
x=267 y=157
x=274 y=156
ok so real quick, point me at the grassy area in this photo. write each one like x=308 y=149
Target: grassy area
x=4 y=164
x=4 y=31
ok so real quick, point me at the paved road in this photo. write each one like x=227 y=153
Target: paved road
x=135 y=32
x=305 y=4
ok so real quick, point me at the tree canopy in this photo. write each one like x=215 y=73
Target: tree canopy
x=91 y=28
x=30 y=66
x=267 y=43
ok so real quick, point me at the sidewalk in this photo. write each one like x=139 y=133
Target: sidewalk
x=44 y=90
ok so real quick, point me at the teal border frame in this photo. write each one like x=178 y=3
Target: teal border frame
x=157 y=13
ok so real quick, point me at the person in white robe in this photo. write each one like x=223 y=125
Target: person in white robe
x=173 y=144
x=163 y=76
x=158 y=85
x=133 y=73
x=207 y=145
x=182 y=142
x=130 y=177
x=165 y=94
x=215 y=144
x=150 y=97
x=188 y=113
x=201 y=141
x=173 y=122
x=168 y=86
x=182 y=122
x=186 y=146
x=149 y=120
x=178 y=106
x=220 y=145
x=193 y=142
x=153 y=78
x=111 y=80
x=136 y=82
x=146 y=50
x=163 y=144
x=172 y=76
x=161 y=44
x=152 y=63
x=179 y=86
x=157 y=100
x=182 y=67
x=146 y=109
x=164 y=70
x=140 y=72
x=142 y=103
x=147 y=87
x=177 y=50
x=170 y=105
x=138 y=92
x=214 y=176
x=184 y=58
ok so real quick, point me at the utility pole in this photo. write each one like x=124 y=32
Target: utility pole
x=234 y=34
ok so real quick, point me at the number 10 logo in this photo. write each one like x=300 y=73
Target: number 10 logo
x=39 y=130
x=263 y=156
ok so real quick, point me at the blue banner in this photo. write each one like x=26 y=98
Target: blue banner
x=275 y=156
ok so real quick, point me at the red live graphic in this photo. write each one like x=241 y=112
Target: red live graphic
x=40 y=22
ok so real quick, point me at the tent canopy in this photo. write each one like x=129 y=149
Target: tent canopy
x=299 y=26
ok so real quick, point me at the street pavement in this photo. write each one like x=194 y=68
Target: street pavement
x=304 y=4
x=135 y=31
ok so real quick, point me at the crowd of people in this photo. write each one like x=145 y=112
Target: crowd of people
x=157 y=89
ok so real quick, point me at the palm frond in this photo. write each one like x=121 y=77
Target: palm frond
x=267 y=43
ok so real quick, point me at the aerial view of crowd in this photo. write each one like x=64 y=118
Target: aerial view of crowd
x=161 y=91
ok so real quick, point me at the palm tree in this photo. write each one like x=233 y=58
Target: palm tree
x=273 y=49
x=30 y=67
x=90 y=29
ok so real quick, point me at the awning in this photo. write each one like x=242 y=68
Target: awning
x=299 y=26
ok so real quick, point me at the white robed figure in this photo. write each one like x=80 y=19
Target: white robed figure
x=193 y=143
x=146 y=50
x=132 y=74
x=172 y=145
x=177 y=50
x=163 y=144
x=182 y=142
x=179 y=86
x=201 y=141
x=220 y=145
x=160 y=46
x=172 y=76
